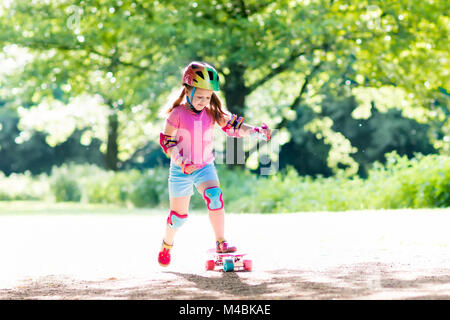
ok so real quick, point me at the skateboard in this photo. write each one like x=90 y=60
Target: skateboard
x=232 y=261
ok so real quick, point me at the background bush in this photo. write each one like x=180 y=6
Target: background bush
x=420 y=182
x=24 y=187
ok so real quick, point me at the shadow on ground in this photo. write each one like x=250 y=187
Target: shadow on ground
x=360 y=281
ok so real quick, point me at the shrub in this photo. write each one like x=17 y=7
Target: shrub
x=423 y=181
x=150 y=188
x=23 y=187
x=132 y=187
x=64 y=185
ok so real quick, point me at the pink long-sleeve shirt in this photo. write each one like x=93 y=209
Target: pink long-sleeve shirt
x=195 y=134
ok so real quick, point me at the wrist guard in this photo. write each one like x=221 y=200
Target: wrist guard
x=233 y=125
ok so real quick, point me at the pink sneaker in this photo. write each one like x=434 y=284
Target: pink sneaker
x=164 y=255
x=222 y=246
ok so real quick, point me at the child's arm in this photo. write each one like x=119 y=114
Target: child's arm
x=234 y=126
x=168 y=142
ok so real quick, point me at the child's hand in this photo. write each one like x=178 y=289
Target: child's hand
x=262 y=132
x=266 y=130
x=188 y=169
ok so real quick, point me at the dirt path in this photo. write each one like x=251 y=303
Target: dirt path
x=352 y=255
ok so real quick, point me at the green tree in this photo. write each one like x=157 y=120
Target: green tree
x=294 y=48
x=289 y=49
x=110 y=49
x=19 y=153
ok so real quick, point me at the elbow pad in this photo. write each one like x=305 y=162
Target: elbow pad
x=166 y=142
x=233 y=125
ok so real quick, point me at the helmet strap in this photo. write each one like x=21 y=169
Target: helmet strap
x=190 y=101
x=192 y=95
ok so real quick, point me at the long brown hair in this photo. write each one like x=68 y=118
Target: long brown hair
x=215 y=110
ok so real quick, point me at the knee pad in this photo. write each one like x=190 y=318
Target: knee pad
x=175 y=220
x=213 y=198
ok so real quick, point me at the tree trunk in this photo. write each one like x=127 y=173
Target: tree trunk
x=111 y=156
x=235 y=90
x=235 y=93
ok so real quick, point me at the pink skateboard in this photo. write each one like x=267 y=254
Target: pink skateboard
x=233 y=261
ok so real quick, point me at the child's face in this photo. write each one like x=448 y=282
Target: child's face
x=201 y=99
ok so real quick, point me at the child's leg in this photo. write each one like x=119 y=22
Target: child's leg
x=216 y=217
x=213 y=198
x=180 y=205
x=177 y=216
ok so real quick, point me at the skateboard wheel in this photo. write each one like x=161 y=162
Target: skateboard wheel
x=248 y=265
x=228 y=265
x=210 y=265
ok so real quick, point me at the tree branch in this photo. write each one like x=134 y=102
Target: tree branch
x=282 y=67
x=293 y=106
x=286 y=64
x=48 y=44
x=243 y=8
x=302 y=91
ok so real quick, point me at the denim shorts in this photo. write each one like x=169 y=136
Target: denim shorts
x=181 y=184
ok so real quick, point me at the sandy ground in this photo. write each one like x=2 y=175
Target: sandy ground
x=348 y=255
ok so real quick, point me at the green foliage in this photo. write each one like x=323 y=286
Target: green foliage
x=23 y=187
x=382 y=130
x=28 y=151
x=236 y=184
x=64 y=185
x=421 y=182
x=128 y=188
x=108 y=49
x=370 y=137
x=272 y=56
x=150 y=188
x=305 y=151
x=107 y=186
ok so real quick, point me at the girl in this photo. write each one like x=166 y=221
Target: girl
x=188 y=141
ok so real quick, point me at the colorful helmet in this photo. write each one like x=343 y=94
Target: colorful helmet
x=201 y=75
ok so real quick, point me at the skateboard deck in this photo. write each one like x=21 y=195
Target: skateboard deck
x=232 y=261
